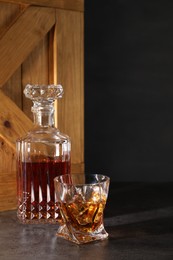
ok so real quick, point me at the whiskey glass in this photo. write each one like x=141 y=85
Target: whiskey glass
x=81 y=202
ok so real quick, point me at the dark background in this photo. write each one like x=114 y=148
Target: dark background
x=129 y=89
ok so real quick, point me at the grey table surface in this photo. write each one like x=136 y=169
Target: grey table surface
x=138 y=218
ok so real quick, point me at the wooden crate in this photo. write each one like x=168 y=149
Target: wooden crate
x=41 y=42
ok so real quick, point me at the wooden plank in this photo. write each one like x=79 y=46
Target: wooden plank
x=8 y=13
x=76 y=5
x=7 y=174
x=77 y=168
x=35 y=70
x=22 y=37
x=8 y=192
x=12 y=88
x=70 y=66
x=13 y=122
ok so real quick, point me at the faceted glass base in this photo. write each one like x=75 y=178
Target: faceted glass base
x=30 y=214
x=81 y=237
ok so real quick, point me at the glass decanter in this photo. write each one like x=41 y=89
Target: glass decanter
x=42 y=154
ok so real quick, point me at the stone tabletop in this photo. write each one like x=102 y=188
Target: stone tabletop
x=138 y=218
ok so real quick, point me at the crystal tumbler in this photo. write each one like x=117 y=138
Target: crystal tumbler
x=81 y=204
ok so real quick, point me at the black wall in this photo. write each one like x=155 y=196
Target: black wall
x=129 y=89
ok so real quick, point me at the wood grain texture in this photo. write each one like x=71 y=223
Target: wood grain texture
x=8 y=13
x=22 y=37
x=12 y=88
x=77 y=5
x=78 y=168
x=35 y=70
x=69 y=35
x=7 y=174
x=13 y=122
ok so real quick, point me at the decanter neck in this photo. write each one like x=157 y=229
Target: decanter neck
x=43 y=114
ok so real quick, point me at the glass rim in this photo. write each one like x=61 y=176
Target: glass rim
x=106 y=179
